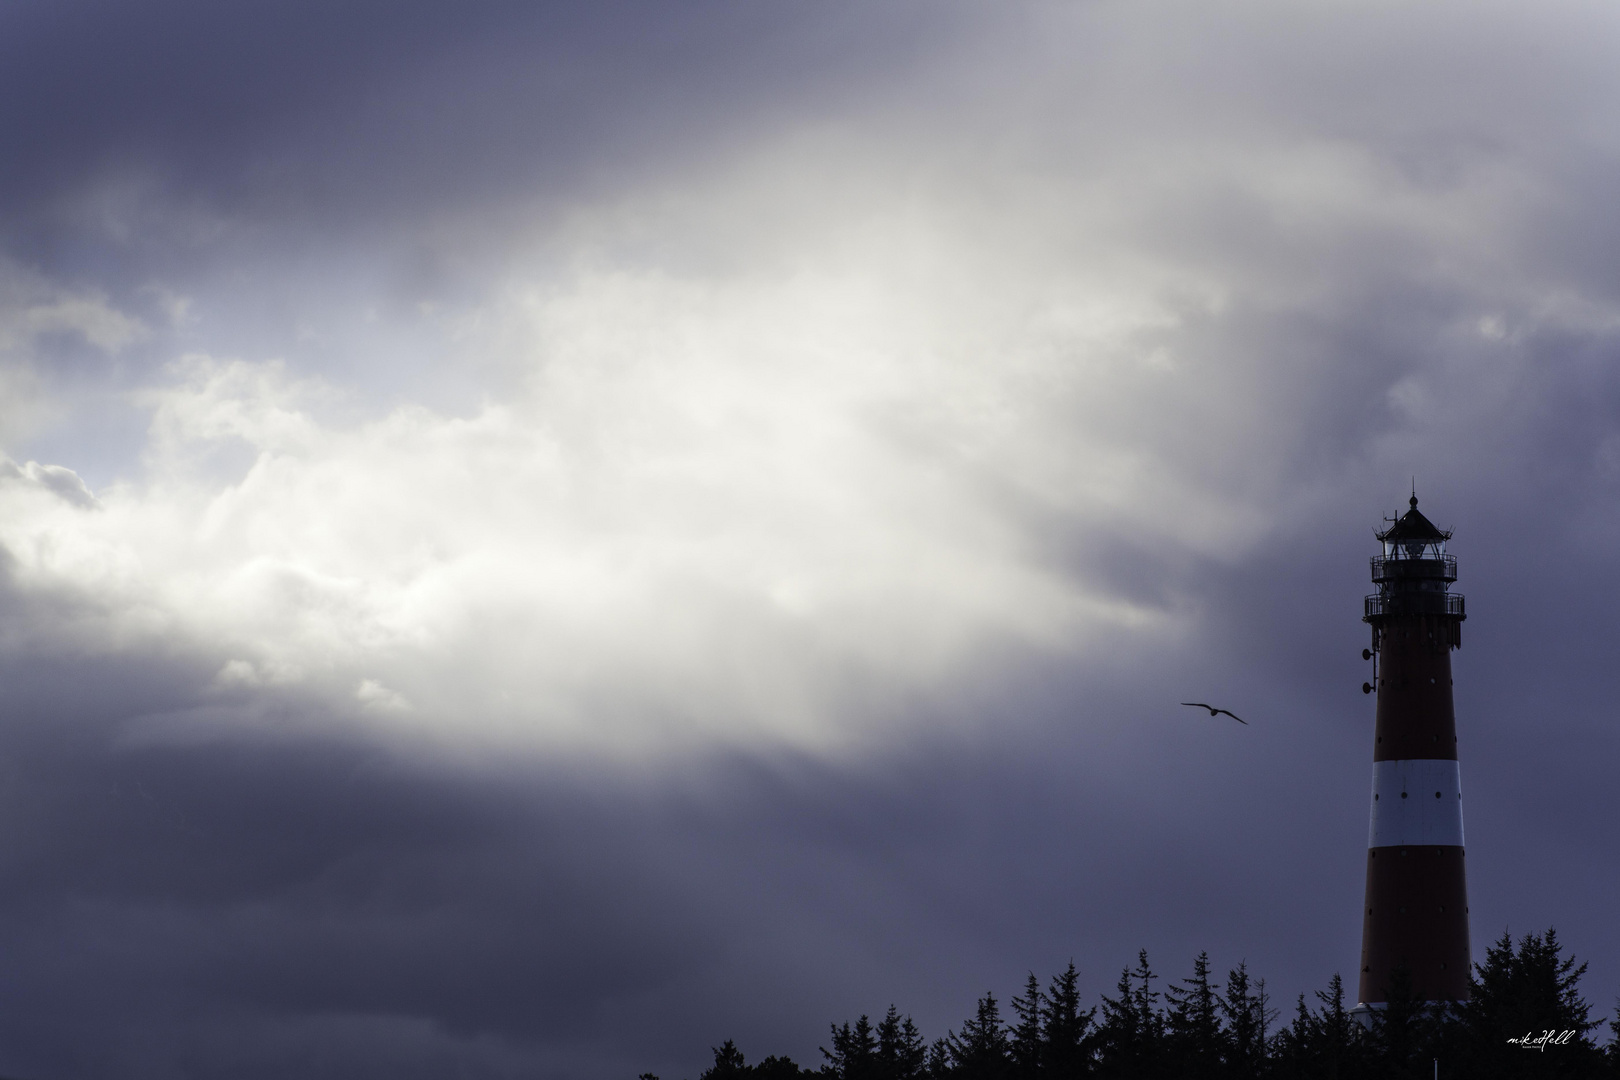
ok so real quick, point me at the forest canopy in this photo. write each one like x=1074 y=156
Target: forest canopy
x=1525 y=1017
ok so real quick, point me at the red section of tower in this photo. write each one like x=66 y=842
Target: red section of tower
x=1415 y=916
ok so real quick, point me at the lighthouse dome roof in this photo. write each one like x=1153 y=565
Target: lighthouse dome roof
x=1413 y=527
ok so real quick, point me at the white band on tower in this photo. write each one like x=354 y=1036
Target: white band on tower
x=1416 y=803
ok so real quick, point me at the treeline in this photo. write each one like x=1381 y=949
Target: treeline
x=1525 y=1018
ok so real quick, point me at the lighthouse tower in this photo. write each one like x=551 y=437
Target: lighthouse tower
x=1416 y=911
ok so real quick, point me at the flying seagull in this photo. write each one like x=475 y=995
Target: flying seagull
x=1213 y=711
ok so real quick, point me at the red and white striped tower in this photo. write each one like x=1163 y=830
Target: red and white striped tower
x=1416 y=912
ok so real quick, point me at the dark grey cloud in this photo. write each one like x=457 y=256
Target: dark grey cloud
x=262 y=905
x=1365 y=257
x=308 y=115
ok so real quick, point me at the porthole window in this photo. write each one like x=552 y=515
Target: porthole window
x=1403 y=794
x=1437 y=794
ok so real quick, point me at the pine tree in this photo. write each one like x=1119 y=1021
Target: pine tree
x=728 y=1063
x=1024 y=1048
x=1519 y=993
x=901 y=1054
x=1612 y=1051
x=1194 y=1040
x=1327 y=1044
x=778 y=1068
x=854 y=1053
x=1403 y=1032
x=1248 y=1021
x=1341 y=1041
x=1293 y=1050
x=1131 y=1037
x=981 y=1051
x=1066 y=1039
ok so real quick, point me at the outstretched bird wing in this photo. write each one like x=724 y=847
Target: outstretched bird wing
x=1213 y=711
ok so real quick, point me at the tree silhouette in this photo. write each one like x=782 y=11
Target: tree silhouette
x=1195 y=1043
x=1131 y=1037
x=1026 y=1045
x=1341 y=1041
x=1523 y=993
x=729 y=1065
x=981 y=1051
x=1248 y=1021
x=1066 y=1037
x=1328 y=1044
x=854 y=1053
x=901 y=1054
x=1294 y=1050
x=1612 y=1051
x=1403 y=1031
x=1199 y=1030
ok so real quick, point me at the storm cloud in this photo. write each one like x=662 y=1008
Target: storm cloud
x=535 y=539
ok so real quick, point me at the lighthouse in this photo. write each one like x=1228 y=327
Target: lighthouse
x=1415 y=916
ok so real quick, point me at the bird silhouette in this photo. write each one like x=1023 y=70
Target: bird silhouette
x=1213 y=711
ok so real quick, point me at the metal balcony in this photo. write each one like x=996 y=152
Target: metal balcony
x=1390 y=568
x=1382 y=605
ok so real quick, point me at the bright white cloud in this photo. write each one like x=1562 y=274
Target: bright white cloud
x=722 y=503
x=713 y=507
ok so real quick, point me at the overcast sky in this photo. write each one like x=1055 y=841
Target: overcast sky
x=537 y=538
